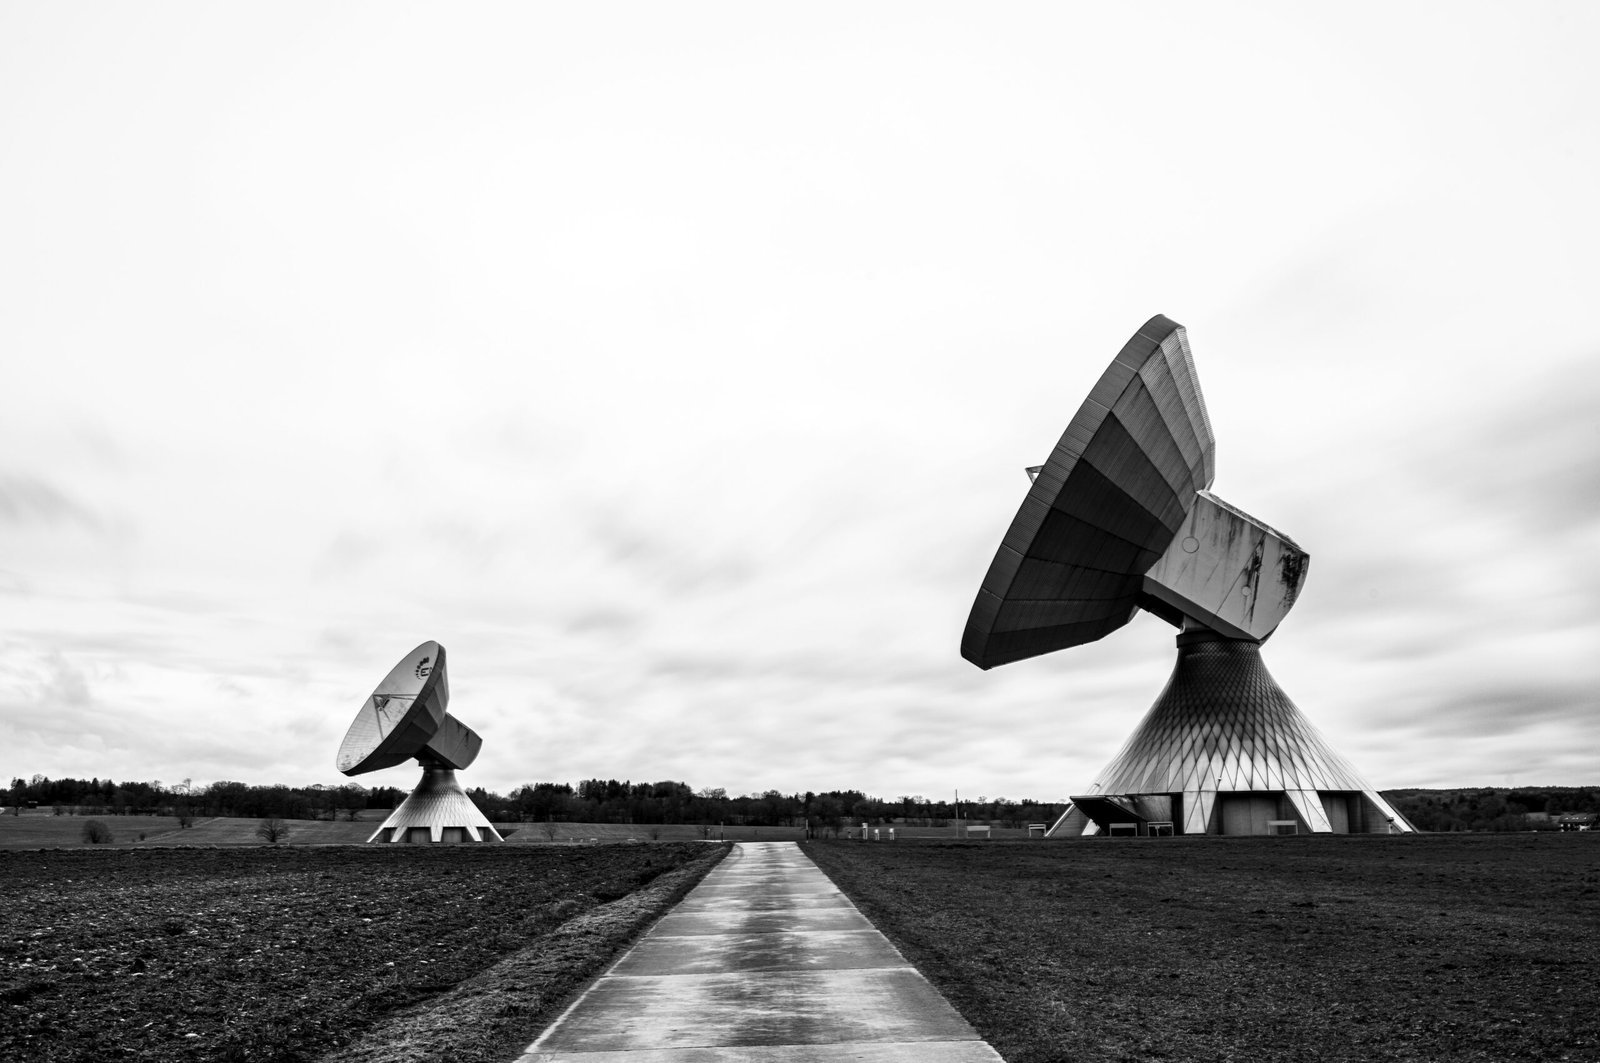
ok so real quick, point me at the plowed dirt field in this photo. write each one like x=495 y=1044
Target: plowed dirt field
x=277 y=954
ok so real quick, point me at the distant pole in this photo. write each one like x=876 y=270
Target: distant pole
x=958 y=814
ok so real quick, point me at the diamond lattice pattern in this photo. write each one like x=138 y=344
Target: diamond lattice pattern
x=1223 y=723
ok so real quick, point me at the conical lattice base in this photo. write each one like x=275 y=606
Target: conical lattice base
x=438 y=811
x=1224 y=750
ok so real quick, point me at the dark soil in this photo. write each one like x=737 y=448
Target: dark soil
x=273 y=953
x=1435 y=948
x=493 y=1016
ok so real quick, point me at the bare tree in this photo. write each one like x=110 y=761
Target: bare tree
x=272 y=830
x=183 y=803
x=96 y=832
x=352 y=801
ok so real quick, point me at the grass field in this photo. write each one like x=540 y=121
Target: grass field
x=36 y=829
x=43 y=829
x=282 y=954
x=1367 y=950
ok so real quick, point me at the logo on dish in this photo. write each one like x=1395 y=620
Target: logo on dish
x=424 y=669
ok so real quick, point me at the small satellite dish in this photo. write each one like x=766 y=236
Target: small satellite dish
x=406 y=717
x=1121 y=518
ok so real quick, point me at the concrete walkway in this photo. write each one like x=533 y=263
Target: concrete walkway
x=765 y=961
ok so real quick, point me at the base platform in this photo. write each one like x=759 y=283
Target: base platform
x=1225 y=751
x=438 y=812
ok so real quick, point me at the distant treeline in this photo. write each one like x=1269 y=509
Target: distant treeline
x=1493 y=808
x=614 y=801
x=103 y=797
x=592 y=801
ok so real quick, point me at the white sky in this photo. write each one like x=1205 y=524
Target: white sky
x=676 y=367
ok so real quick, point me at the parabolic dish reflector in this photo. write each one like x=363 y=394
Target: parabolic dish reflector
x=401 y=716
x=1102 y=510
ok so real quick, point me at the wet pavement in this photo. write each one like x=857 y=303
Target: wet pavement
x=764 y=961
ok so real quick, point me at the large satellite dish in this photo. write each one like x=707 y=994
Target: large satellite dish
x=406 y=717
x=1120 y=518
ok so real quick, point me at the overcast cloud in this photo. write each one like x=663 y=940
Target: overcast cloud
x=676 y=367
